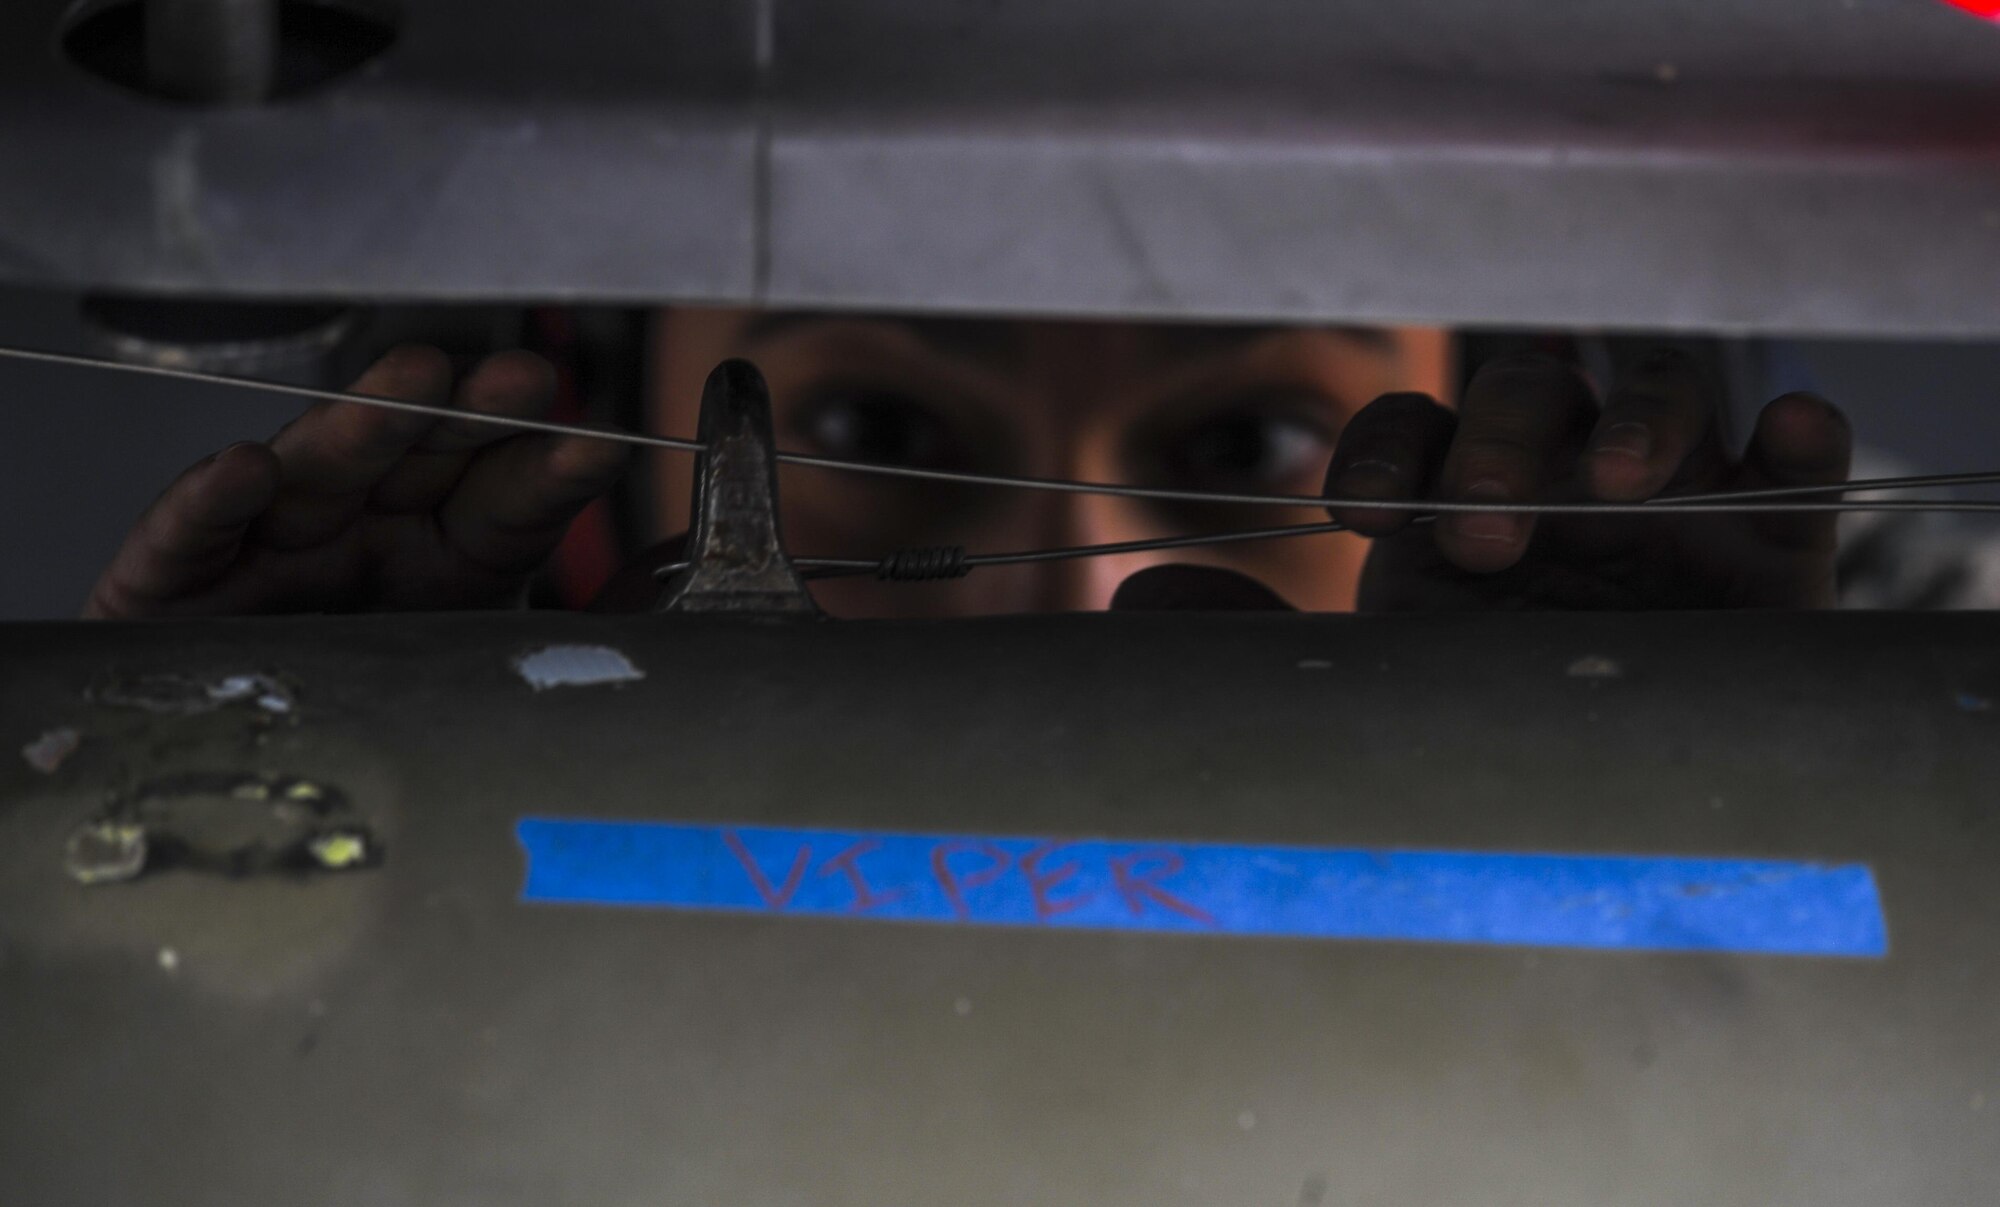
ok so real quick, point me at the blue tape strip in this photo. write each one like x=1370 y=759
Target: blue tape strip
x=1775 y=907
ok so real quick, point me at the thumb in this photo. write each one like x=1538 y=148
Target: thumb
x=188 y=540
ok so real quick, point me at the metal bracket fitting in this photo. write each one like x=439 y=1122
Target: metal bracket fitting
x=736 y=562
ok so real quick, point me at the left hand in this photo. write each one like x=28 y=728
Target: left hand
x=1530 y=429
x=357 y=508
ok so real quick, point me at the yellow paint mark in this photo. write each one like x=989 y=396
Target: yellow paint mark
x=338 y=850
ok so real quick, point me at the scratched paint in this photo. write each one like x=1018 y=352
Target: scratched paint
x=1776 y=907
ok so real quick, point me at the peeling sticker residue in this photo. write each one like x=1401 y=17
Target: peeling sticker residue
x=224 y=823
x=575 y=666
x=269 y=694
x=344 y=849
x=187 y=695
x=105 y=852
x=47 y=753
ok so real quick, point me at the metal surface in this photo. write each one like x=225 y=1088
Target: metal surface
x=736 y=561
x=497 y=150
x=296 y=344
x=217 y=51
x=1782 y=165
x=413 y=1033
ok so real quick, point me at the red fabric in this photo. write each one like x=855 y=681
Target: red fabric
x=588 y=555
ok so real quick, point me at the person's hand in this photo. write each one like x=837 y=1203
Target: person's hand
x=353 y=507
x=1530 y=430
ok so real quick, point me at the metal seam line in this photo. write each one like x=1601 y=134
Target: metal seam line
x=1775 y=499
x=763 y=52
x=844 y=567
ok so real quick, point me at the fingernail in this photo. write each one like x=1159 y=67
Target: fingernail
x=1634 y=440
x=1370 y=479
x=225 y=452
x=1501 y=527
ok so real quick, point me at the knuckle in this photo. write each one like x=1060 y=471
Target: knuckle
x=518 y=359
x=1647 y=397
x=584 y=462
x=406 y=371
x=1409 y=422
x=414 y=357
x=1498 y=439
x=1671 y=413
x=515 y=370
x=1521 y=364
x=1530 y=390
x=1506 y=456
x=1809 y=406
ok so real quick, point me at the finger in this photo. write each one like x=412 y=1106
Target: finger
x=335 y=454
x=1523 y=418
x=1800 y=440
x=518 y=497
x=518 y=384
x=1390 y=450
x=189 y=538
x=1654 y=420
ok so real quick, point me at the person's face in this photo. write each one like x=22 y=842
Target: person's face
x=1193 y=407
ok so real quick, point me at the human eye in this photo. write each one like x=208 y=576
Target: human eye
x=878 y=425
x=1252 y=447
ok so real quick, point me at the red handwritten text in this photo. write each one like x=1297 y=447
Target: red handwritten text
x=979 y=878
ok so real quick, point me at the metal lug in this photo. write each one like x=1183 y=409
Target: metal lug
x=737 y=563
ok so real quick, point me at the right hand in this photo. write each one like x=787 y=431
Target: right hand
x=357 y=508
x=1531 y=429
